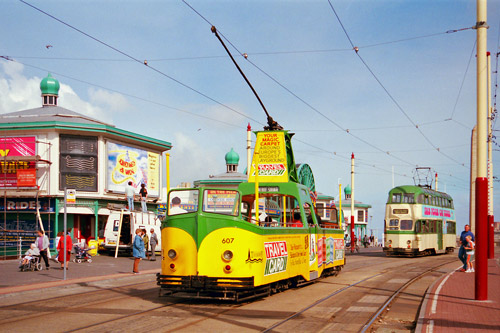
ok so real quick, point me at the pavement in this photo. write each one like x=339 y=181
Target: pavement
x=102 y=267
x=450 y=306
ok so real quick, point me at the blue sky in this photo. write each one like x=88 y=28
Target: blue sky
x=319 y=88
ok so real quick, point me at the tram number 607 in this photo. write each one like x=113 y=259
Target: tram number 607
x=227 y=240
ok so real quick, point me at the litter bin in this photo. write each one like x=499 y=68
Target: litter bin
x=93 y=244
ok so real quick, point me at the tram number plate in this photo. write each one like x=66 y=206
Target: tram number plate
x=400 y=211
x=227 y=240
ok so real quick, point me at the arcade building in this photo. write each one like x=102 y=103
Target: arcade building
x=45 y=150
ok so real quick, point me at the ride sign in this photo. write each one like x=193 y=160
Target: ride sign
x=270 y=153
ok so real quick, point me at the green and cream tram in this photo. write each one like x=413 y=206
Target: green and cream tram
x=419 y=221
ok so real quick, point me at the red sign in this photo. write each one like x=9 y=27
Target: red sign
x=275 y=249
x=12 y=147
x=26 y=178
x=18 y=146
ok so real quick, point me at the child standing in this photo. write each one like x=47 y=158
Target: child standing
x=469 y=251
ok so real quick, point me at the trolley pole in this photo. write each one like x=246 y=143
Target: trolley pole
x=491 y=219
x=353 y=246
x=167 y=179
x=249 y=150
x=481 y=277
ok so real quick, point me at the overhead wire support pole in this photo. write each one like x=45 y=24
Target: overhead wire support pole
x=481 y=213
x=273 y=125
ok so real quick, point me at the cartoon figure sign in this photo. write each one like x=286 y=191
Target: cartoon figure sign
x=132 y=164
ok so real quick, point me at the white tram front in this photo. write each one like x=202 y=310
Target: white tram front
x=419 y=221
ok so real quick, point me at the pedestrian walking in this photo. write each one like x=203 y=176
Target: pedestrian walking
x=462 y=255
x=61 y=249
x=42 y=242
x=137 y=250
x=153 y=240
x=145 y=238
x=130 y=195
x=143 y=193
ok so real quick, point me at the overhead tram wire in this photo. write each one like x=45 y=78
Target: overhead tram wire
x=93 y=84
x=295 y=95
x=463 y=79
x=356 y=49
x=221 y=34
x=140 y=62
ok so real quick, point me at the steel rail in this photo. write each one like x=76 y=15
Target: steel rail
x=319 y=301
x=397 y=292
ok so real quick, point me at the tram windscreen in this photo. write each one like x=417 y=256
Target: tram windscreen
x=182 y=202
x=406 y=225
x=224 y=202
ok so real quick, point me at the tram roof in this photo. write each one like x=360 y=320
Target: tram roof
x=419 y=190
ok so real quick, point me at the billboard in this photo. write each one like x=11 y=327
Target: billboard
x=273 y=166
x=12 y=147
x=132 y=164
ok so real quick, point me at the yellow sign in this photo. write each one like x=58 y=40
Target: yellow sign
x=153 y=171
x=272 y=162
x=70 y=196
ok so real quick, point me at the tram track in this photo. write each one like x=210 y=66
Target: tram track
x=42 y=311
x=377 y=315
x=396 y=294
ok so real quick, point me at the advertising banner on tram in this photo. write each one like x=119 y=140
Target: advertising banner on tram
x=271 y=158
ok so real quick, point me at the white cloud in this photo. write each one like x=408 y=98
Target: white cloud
x=189 y=161
x=18 y=92
x=112 y=101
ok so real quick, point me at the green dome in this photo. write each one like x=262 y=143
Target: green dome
x=232 y=157
x=347 y=190
x=49 y=86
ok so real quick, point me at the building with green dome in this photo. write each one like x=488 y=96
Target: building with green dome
x=229 y=179
x=48 y=149
x=361 y=214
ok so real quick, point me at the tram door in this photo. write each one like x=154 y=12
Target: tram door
x=439 y=226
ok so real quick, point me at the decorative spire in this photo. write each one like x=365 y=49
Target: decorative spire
x=50 y=91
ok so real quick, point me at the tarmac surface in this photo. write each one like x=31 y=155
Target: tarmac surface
x=450 y=306
x=102 y=267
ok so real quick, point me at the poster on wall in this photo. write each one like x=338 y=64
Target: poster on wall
x=132 y=164
x=12 y=147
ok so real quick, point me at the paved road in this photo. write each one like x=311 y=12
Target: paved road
x=342 y=303
x=101 y=265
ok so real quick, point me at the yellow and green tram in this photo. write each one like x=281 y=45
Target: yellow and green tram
x=419 y=221
x=236 y=244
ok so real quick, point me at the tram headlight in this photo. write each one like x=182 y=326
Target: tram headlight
x=172 y=254
x=408 y=242
x=227 y=255
x=390 y=241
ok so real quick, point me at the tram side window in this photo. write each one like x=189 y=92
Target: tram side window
x=409 y=198
x=432 y=227
x=396 y=198
x=420 y=199
x=406 y=225
x=307 y=211
x=426 y=200
x=451 y=228
x=424 y=227
x=418 y=227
